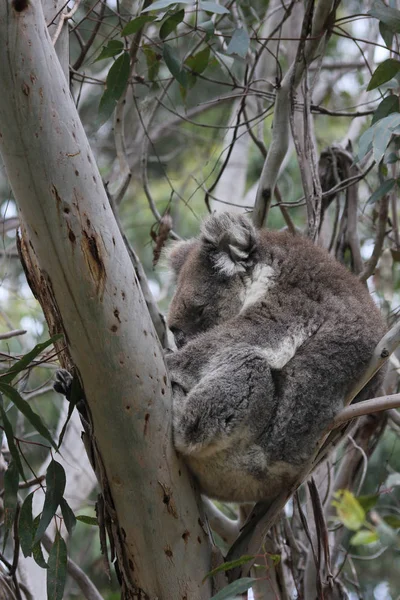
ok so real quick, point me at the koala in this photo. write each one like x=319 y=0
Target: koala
x=271 y=334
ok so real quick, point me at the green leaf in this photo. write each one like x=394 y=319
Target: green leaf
x=198 y=62
x=384 y=72
x=25 y=408
x=389 y=16
x=55 y=486
x=208 y=28
x=68 y=516
x=349 y=510
x=163 y=4
x=57 y=572
x=389 y=105
x=88 y=520
x=392 y=521
x=10 y=441
x=368 y=501
x=382 y=191
x=239 y=43
x=174 y=65
x=136 y=24
x=386 y=33
x=171 y=23
x=26 y=530
x=230 y=565
x=213 y=7
x=364 y=537
x=116 y=82
x=152 y=60
x=11 y=481
x=25 y=361
x=113 y=48
x=236 y=587
x=37 y=553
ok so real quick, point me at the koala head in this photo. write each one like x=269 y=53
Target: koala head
x=210 y=272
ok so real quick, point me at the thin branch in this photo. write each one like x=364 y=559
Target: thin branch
x=86 y=47
x=227 y=529
x=365 y=408
x=11 y=334
x=380 y=238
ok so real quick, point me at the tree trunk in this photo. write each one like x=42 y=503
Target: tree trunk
x=86 y=269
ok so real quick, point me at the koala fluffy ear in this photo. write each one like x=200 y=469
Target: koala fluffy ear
x=175 y=255
x=231 y=242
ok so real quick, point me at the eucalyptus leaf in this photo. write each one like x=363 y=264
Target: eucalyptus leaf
x=26 y=360
x=389 y=105
x=226 y=566
x=233 y=589
x=387 y=15
x=26 y=530
x=116 y=82
x=113 y=48
x=11 y=480
x=382 y=190
x=199 y=62
x=10 y=441
x=384 y=72
x=213 y=7
x=239 y=43
x=163 y=4
x=57 y=571
x=364 y=537
x=136 y=24
x=174 y=65
x=171 y=23
x=55 y=486
x=68 y=516
x=37 y=553
x=25 y=408
x=87 y=520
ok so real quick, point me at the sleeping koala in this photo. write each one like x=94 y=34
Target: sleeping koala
x=271 y=333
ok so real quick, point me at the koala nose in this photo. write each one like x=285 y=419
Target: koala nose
x=179 y=336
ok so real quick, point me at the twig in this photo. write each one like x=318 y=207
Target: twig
x=280 y=137
x=86 y=585
x=11 y=334
x=64 y=17
x=380 y=238
x=86 y=47
x=227 y=529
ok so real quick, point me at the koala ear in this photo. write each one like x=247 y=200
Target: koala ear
x=175 y=255
x=231 y=242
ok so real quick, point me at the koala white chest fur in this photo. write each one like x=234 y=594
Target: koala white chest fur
x=271 y=334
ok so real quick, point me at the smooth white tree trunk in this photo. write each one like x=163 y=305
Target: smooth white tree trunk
x=163 y=547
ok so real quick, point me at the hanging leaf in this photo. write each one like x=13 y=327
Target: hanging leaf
x=136 y=24
x=198 y=62
x=153 y=62
x=11 y=480
x=349 y=510
x=174 y=65
x=171 y=23
x=10 y=441
x=116 y=82
x=368 y=501
x=208 y=27
x=230 y=565
x=364 y=144
x=382 y=191
x=239 y=43
x=37 y=552
x=26 y=360
x=364 y=537
x=213 y=7
x=26 y=529
x=25 y=408
x=113 y=48
x=389 y=16
x=386 y=33
x=68 y=516
x=57 y=572
x=88 y=520
x=163 y=4
x=384 y=72
x=55 y=486
x=389 y=105
x=233 y=589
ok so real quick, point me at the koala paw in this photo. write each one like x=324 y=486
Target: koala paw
x=63 y=383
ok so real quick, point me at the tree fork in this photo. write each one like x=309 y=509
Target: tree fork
x=73 y=237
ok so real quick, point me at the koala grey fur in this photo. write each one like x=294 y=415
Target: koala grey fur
x=272 y=333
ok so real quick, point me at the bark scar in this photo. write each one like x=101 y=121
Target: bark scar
x=94 y=261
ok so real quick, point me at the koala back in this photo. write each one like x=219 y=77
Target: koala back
x=272 y=332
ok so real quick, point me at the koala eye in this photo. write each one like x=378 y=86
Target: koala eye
x=199 y=310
